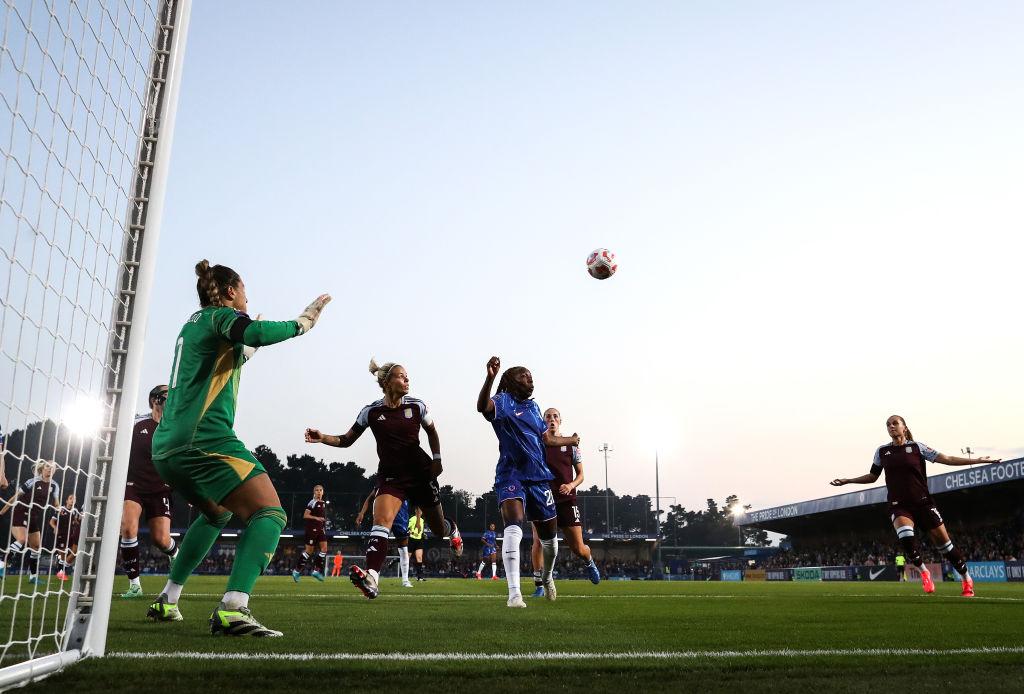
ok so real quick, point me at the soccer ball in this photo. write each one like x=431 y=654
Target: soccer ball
x=601 y=264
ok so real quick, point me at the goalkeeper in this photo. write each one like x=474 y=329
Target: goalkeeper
x=195 y=449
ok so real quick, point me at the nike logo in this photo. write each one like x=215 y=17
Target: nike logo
x=519 y=414
x=872 y=575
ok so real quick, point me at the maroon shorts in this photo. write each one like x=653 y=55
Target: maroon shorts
x=924 y=512
x=62 y=543
x=568 y=514
x=32 y=522
x=315 y=536
x=423 y=492
x=153 y=505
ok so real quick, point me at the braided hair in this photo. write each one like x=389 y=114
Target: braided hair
x=213 y=282
x=509 y=384
x=382 y=373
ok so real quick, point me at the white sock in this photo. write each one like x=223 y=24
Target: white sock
x=494 y=569
x=550 y=549
x=173 y=592
x=233 y=599
x=510 y=557
x=136 y=582
x=480 y=568
x=403 y=562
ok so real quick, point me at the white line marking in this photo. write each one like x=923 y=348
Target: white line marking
x=576 y=655
x=474 y=596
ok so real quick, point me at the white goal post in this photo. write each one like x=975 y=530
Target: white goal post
x=88 y=92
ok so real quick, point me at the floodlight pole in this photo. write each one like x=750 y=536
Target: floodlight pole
x=607 y=495
x=969 y=453
x=657 y=517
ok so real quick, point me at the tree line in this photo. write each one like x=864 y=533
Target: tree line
x=347 y=484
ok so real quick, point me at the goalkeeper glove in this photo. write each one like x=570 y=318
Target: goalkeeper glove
x=308 y=318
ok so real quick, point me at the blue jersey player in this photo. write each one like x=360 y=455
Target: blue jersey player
x=490 y=552
x=521 y=480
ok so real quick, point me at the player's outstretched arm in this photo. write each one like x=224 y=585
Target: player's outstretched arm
x=552 y=440
x=953 y=460
x=339 y=441
x=866 y=478
x=484 y=404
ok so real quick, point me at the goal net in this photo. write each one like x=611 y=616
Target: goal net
x=87 y=96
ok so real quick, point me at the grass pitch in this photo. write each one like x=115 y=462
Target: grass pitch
x=458 y=635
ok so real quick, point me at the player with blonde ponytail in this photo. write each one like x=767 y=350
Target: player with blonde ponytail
x=196 y=451
x=405 y=471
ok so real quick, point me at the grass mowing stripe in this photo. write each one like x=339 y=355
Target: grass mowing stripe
x=576 y=655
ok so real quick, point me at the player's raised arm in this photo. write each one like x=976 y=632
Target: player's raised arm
x=238 y=327
x=484 y=404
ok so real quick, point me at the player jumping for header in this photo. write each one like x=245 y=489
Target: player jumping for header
x=910 y=502
x=405 y=471
x=522 y=476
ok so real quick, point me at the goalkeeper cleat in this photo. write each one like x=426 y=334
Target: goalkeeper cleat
x=926 y=582
x=549 y=589
x=593 y=573
x=318 y=576
x=162 y=611
x=296 y=576
x=134 y=591
x=968 y=587
x=516 y=601
x=237 y=622
x=365 y=582
x=538 y=592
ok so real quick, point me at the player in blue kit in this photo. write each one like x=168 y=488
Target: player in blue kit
x=400 y=529
x=521 y=479
x=490 y=551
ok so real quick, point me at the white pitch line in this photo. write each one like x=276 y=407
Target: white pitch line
x=574 y=655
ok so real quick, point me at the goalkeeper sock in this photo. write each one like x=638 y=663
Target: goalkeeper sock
x=194 y=547
x=257 y=547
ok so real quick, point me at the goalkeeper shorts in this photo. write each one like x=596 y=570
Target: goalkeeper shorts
x=210 y=473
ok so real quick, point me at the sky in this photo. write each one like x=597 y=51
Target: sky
x=816 y=210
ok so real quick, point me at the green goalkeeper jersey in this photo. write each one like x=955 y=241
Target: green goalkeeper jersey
x=203 y=388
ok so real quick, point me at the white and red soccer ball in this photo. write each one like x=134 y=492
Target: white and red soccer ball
x=601 y=264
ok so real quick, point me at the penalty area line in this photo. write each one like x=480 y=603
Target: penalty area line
x=572 y=655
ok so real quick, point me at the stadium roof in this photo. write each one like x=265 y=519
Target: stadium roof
x=783 y=519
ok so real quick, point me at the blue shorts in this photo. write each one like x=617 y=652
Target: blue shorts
x=489 y=552
x=400 y=528
x=537 y=498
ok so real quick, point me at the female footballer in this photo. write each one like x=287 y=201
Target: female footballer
x=405 y=471
x=196 y=451
x=910 y=503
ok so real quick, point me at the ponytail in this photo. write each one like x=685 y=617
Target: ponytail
x=381 y=373
x=213 y=282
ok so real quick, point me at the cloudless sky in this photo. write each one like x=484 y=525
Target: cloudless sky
x=817 y=209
